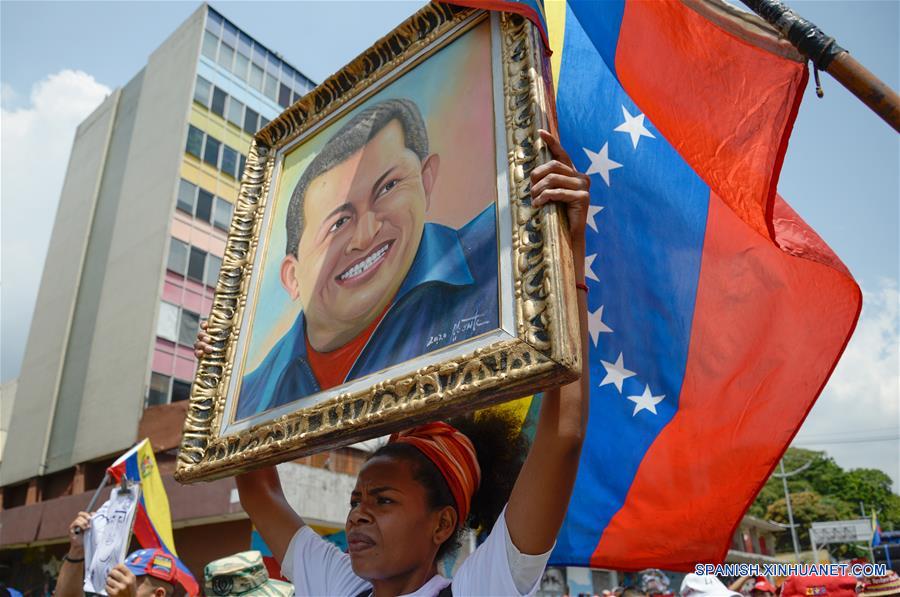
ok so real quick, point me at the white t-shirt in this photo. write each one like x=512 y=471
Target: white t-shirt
x=496 y=568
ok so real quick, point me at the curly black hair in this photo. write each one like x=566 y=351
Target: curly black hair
x=501 y=449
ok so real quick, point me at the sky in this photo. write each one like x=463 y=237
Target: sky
x=58 y=60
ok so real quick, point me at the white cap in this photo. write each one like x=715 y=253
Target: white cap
x=695 y=585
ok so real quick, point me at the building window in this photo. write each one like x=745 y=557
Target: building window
x=194 y=141
x=218 y=102
x=256 y=77
x=235 y=112
x=187 y=328
x=284 y=96
x=259 y=55
x=229 y=161
x=187 y=193
x=241 y=165
x=181 y=390
x=167 y=323
x=178 y=256
x=211 y=152
x=196 y=263
x=251 y=121
x=165 y=389
x=226 y=56
x=241 y=64
x=213 y=21
x=210 y=43
x=204 y=205
x=263 y=121
x=222 y=214
x=202 y=90
x=159 y=389
x=271 y=87
x=272 y=63
x=213 y=265
x=230 y=34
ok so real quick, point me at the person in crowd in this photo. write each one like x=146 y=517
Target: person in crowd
x=415 y=496
x=753 y=587
x=822 y=586
x=742 y=585
x=884 y=585
x=145 y=572
x=632 y=591
x=243 y=574
x=655 y=583
x=762 y=588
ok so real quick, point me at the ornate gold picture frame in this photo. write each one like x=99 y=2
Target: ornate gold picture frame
x=454 y=85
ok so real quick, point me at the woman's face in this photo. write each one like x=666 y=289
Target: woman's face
x=391 y=530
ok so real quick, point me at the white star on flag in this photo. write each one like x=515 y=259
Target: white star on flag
x=646 y=401
x=593 y=210
x=596 y=325
x=616 y=373
x=588 y=272
x=634 y=126
x=600 y=163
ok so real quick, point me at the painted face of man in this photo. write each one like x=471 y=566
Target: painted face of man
x=363 y=221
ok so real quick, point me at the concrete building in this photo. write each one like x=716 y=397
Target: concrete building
x=130 y=271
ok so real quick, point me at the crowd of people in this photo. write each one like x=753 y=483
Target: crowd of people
x=654 y=583
x=156 y=573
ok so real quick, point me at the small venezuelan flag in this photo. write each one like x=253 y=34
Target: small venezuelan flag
x=153 y=521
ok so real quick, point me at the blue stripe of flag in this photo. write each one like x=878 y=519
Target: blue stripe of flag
x=647 y=251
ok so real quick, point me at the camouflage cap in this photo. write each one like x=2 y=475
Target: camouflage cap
x=243 y=574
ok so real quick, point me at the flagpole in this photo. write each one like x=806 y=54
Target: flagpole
x=827 y=55
x=93 y=502
x=96 y=495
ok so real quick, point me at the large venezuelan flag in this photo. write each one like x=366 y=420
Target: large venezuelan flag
x=152 y=521
x=716 y=314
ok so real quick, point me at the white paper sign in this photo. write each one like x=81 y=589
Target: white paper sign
x=106 y=541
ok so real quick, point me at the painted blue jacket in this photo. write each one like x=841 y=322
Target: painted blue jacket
x=450 y=294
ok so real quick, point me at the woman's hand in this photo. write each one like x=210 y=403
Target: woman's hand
x=559 y=181
x=203 y=345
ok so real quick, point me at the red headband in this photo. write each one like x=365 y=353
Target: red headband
x=454 y=456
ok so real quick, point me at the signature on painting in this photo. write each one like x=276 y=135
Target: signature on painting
x=464 y=327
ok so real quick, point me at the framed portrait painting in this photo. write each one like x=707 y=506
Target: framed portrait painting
x=384 y=266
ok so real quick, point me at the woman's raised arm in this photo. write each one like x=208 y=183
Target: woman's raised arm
x=263 y=500
x=540 y=497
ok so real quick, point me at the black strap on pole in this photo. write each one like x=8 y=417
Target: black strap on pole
x=804 y=35
x=827 y=55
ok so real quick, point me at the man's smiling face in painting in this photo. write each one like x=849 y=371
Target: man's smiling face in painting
x=362 y=221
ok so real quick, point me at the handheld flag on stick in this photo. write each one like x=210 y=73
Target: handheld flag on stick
x=716 y=315
x=153 y=521
x=876 y=530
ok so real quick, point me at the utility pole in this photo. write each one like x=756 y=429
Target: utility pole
x=787 y=498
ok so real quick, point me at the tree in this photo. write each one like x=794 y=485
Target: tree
x=808 y=507
x=825 y=491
